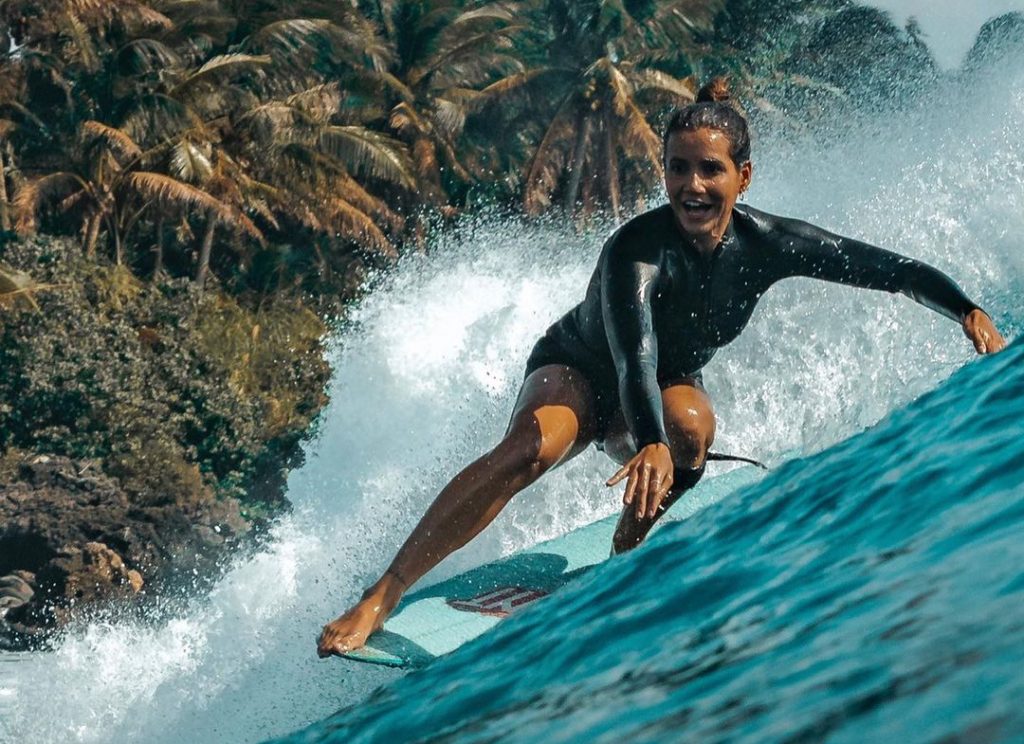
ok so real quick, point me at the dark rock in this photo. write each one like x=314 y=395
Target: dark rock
x=72 y=538
x=15 y=590
x=14 y=586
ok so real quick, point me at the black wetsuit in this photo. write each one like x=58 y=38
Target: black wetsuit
x=656 y=310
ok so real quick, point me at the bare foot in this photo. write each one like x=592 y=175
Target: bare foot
x=350 y=631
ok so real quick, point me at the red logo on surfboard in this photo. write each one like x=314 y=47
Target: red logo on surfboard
x=500 y=602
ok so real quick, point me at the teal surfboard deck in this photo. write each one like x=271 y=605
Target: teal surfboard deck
x=437 y=619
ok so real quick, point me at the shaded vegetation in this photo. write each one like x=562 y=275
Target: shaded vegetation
x=162 y=384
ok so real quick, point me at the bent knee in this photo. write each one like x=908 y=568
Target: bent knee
x=689 y=444
x=530 y=454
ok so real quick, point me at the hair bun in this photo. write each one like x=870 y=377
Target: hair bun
x=716 y=89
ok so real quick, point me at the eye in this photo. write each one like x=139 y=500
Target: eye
x=712 y=167
x=677 y=167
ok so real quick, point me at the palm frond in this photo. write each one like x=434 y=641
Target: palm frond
x=25 y=113
x=190 y=163
x=646 y=78
x=364 y=151
x=146 y=56
x=34 y=195
x=449 y=116
x=260 y=208
x=621 y=90
x=638 y=138
x=298 y=41
x=468 y=47
x=217 y=65
x=272 y=122
x=490 y=12
x=158 y=117
x=405 y=120
x=83 y=40
x=116 y=139
x=168 y=190
x=355 y=224
x=548 y=159
x=147 y=17
x=398 y=87
x=353 y=192
x=319 y=102
x=424 y=155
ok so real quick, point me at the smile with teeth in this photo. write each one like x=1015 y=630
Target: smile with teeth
x=697 y=207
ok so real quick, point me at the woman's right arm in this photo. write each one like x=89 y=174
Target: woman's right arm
x=628 y=279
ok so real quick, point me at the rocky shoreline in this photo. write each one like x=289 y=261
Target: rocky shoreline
x=72 y=539
x=146 y=432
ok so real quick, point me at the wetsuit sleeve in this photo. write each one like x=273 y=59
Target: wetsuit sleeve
x=807 y=250
x=627 y=284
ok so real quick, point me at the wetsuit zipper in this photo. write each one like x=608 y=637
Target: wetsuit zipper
x=707 y=271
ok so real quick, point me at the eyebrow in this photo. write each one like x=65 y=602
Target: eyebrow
x=703 y=161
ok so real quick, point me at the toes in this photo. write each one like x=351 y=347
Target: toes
x=336 y=645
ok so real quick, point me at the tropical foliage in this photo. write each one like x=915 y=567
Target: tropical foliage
x=292 y=144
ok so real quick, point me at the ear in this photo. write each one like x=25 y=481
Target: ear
x=746 y=173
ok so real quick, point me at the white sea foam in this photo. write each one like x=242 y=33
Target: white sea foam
x=425 y=378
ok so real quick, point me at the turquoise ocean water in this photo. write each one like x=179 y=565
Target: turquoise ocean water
x=872 y=592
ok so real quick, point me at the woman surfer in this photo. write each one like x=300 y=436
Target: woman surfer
x=623 y=368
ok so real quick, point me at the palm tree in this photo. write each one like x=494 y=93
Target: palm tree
x=443 y=55
x=600 y=73
x=308 y=168
x=260 y=130
x=110 y=190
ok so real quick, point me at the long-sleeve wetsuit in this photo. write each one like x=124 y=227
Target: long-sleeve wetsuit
x=656 y=309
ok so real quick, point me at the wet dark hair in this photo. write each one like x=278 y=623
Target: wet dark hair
x=712 y=110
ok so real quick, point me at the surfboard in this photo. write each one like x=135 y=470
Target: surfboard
x=437 y=619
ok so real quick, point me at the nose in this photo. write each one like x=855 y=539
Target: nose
x=691 y=183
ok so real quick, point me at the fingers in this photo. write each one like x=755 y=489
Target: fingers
x=660 y=492
x=623 y=472
x=991 y=341
x=642 y=491
x=627 y=498
x=983 y=334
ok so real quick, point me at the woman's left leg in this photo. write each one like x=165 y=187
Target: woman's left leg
x=690 y=425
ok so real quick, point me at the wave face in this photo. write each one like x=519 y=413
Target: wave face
x=871 y=582
x=872 y=592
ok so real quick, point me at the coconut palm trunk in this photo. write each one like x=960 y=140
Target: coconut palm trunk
x=204 y=252
x=118 y=245
x=572 y=190
x=158 y=260
x=92 y=234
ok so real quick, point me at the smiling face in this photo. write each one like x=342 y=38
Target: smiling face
x=703 y=183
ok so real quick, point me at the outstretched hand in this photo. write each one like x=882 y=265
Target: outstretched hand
x=649 y=476
x=980 y=329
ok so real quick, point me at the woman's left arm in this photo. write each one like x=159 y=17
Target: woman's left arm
x=808 y=250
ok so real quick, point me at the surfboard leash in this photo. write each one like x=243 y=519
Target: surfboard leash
x=719 y=457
